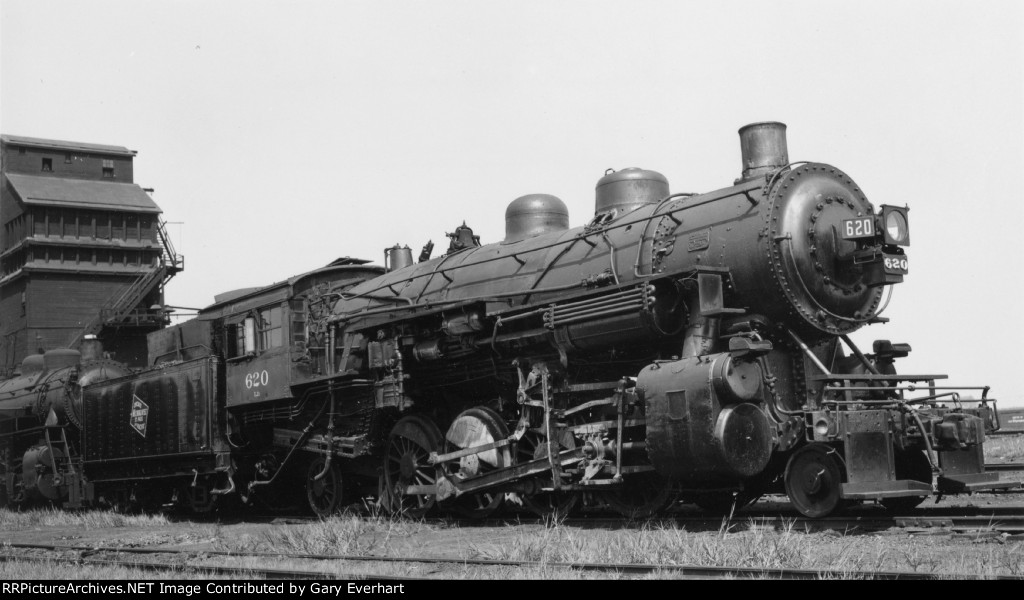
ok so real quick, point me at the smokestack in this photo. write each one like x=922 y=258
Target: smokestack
x=763 y=148
x=91 y=348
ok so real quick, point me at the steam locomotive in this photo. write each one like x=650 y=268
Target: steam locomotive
x=691 y=346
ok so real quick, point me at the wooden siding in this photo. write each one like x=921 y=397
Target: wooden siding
x=13 y=336
x=9 y=207
x=83 y=165
x=70 y=300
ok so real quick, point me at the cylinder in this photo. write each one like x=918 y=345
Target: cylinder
x=736 y=380
x=397 y=257
x=627 y=189
x=533 y=215
x=39 y=474
x=699 y=432
x=763 y=148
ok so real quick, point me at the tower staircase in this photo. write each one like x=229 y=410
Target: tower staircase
x=122 y=308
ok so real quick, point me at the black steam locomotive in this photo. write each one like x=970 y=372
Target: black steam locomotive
x=688 y=346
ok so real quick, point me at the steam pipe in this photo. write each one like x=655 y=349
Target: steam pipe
x=701 y=331
x=599 y=308
x=586 y=310
x=624 y=296
x=330 y=440
x=595 y=316
x=230 y=488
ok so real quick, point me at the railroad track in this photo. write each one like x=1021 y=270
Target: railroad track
x=1005 y=519
x=952 y=523
x=1003 y=467
x=1012 y=525
x=616 y=569
x=199 y=570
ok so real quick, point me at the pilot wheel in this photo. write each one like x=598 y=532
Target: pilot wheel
x=813 y=478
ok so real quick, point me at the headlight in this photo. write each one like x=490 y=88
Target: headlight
x=895 y=227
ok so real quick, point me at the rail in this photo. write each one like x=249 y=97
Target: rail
x=618 y=569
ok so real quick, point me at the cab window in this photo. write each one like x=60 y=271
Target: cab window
x=268 y=328
x=241 y=338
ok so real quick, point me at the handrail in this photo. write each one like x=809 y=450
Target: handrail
x=171 y=256
x=124 y=301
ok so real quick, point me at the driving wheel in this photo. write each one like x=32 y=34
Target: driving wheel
x=534 y=446
x=409 y=478
x=323 y=487
x=476 y=427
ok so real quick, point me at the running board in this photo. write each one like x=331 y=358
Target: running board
x=872 y=490
x=947 y=484
x=973 y=482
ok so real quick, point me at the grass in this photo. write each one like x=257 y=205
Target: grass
x=761 y=548
x=1006 y=448
x=13 y=520
x=741 y=543
x=344 y=534
x=653 y=542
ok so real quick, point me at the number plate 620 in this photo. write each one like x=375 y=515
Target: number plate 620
x=895 y=264
x=861 y=227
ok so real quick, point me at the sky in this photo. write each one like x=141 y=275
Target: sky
x=281 y=135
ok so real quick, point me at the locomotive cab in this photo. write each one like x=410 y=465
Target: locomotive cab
x=273 y=338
